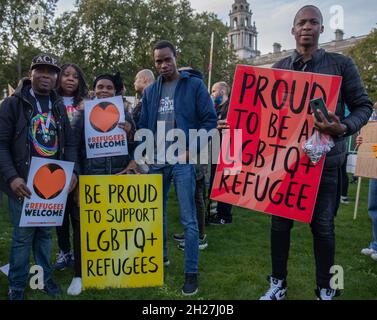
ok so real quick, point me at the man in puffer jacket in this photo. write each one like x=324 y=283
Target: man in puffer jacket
x=307 y=27
x=33 y=123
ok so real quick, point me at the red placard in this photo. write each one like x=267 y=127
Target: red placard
x=268 y=171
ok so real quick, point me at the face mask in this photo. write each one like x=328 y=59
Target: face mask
x=218 y=100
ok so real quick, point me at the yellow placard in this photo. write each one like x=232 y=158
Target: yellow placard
x=121 y=231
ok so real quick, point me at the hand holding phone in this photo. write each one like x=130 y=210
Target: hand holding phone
x=319 y=104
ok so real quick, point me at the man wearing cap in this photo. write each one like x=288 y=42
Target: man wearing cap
x=33 y=123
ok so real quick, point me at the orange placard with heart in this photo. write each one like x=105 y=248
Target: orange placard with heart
x=103 y=136
x=104 y=117
x=49 y=181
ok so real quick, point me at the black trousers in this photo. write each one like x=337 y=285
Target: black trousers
x=72 y=215
x=224 y=210
x=345 y=181
x=322 y=227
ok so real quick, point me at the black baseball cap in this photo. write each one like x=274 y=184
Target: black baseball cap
x=45 y=60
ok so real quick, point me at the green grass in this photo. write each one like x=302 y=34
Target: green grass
x=237 y=260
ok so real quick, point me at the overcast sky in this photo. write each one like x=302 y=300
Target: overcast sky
x=273 y=18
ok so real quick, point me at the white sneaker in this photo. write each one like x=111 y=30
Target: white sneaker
x=374 y=256
x=325 y=294
x=75 y=287
x=368 y=251
x=277 y=290
x=213 y=207
x=344 y=200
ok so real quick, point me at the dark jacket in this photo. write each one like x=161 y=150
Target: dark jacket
x=103 y=165
x=15 y=150
x=193 y=105
x=222 y=110
x=137 y=111
x=352 y=93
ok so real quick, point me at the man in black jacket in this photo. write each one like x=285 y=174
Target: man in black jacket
x=307 y=27
x=220 y=96
x=33 y=123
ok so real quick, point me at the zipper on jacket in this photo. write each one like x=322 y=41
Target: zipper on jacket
x=30 y=115
x=59 y=127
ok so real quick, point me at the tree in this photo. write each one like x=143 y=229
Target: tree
x=112 y=35
x=224 y=58
x=365 y=56
x=120 y=37
x=17 y=36
x=97 y=40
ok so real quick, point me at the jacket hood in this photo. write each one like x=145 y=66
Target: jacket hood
x=194 y=73
x=22 y=86
x=187 y=73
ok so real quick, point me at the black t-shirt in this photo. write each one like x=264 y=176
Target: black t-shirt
x=44 y=143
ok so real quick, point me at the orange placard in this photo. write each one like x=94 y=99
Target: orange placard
x=104 y=117
x=268 y=171
x=49 y=181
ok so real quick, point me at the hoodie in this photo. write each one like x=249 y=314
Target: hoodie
x=193 y=106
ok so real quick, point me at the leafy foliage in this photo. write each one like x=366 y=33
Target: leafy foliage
x=18 y=40
x=365 y=56
x=115 y=35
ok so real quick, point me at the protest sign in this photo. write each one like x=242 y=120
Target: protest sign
x=366 y=165
x=48 y=182
x=103 y=138
x=266 y=170
x=351 y=163
x=121 y=231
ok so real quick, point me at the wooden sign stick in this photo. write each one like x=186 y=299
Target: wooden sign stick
x=357 y=198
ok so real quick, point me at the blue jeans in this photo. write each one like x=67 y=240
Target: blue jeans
x=23 y=240
x=372 y=210
x=183 y=176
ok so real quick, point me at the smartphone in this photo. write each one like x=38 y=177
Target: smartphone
x=319 y=104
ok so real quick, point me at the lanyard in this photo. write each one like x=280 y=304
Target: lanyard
x=45 y=126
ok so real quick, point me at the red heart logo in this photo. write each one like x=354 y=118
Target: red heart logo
x=49 y=181
x=104 y=117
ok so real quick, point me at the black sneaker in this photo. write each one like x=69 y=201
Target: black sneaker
x=190 y=287
x=16 y=294
x=179 y=237
x=166 y=262
x=52 y=289
x=202 y=243
x=218 y=221
x=64 y=260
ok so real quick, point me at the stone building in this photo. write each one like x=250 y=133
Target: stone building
x=243 y=34
x=339 y=45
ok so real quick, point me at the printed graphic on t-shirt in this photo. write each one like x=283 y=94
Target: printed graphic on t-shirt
x=166 y=106
x=68 y=102
x=45 y=142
